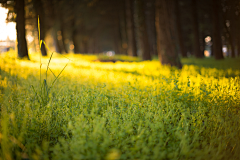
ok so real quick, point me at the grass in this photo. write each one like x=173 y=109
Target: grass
x=122 y=110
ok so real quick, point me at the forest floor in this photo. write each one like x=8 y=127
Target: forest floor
x=74 y=107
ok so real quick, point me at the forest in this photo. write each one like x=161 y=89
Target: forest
x=143 y=28
x=121 y=80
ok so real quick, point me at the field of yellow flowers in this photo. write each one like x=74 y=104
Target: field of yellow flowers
x=69 y=107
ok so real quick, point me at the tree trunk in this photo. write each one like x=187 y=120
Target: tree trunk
x=62 y=29
x=238 y=43
x=38 y=5
x=143 y=36
x=75 y=27
x=165 y=30
x=150 y=23
x=117 y=37
x=229 y=39
x=55 y=31
x=42 y=35
x=123 y=30
x=217 y=41
x=179 y=30
x=43 y=48
x=132 y=47
x=20 y=27
x=196 y=42
x=238 y=36
x=75 y=37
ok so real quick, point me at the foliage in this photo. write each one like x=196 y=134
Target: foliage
x=122 y=110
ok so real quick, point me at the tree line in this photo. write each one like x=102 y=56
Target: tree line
x=146 y=28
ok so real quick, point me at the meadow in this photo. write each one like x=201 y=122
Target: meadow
x=72 y=107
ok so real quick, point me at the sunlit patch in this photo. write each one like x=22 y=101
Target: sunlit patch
x=106 y=105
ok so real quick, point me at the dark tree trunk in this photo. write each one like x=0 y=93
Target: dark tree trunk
x=74 y=28
x=54 y=23
x=229 y=39
x=150 y=23
x=238 y=36
x=55 y=34
x=123 y=27
x=179 y=30
x=117 y=37
x=42 y=35
x=132 y=47
x=75 y=37
x=20 y=27
x=196 y=42
x=85 y=43
x=165 y=30
x=143 y=36
x=238 y=44
x=62 y=29
x=38 y=5
x=217 y=41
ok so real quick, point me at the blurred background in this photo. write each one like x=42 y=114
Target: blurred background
x=128 y=27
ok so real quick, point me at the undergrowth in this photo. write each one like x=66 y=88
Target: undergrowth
x=122 y=110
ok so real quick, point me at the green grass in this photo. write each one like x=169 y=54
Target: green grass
x=122 y=110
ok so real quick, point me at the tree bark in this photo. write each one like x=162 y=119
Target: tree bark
x=62 y=28
x=217 y=41
x=229 y=39
x=179 y=30
x=238 y=36
x=55 y=31
x=42 y=37
x=75 y=27
x=196 y=42
x=38 y=5
x=75 y=37
x=143 y=36
x=21 y=32
x=165 y=31
x=132 y=47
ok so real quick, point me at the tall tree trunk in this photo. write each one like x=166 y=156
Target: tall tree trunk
x=75 y=27
x=229 y=39
x=143 y=36
x=85 y=44
x=238 y=46
x=132 y=47
x=38 y=5
x=238 y=36
x=196 y=43
x=150 y=23
x=179 y=30
x=42 y=36
x=62 y=28
x=123 y=29
x=165 y=31
x=75 y=37
x=217 y=41
x=20 y=27
x=55 y=35
x=117 y=37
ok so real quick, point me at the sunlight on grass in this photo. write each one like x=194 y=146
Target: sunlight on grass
x=122 y=110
